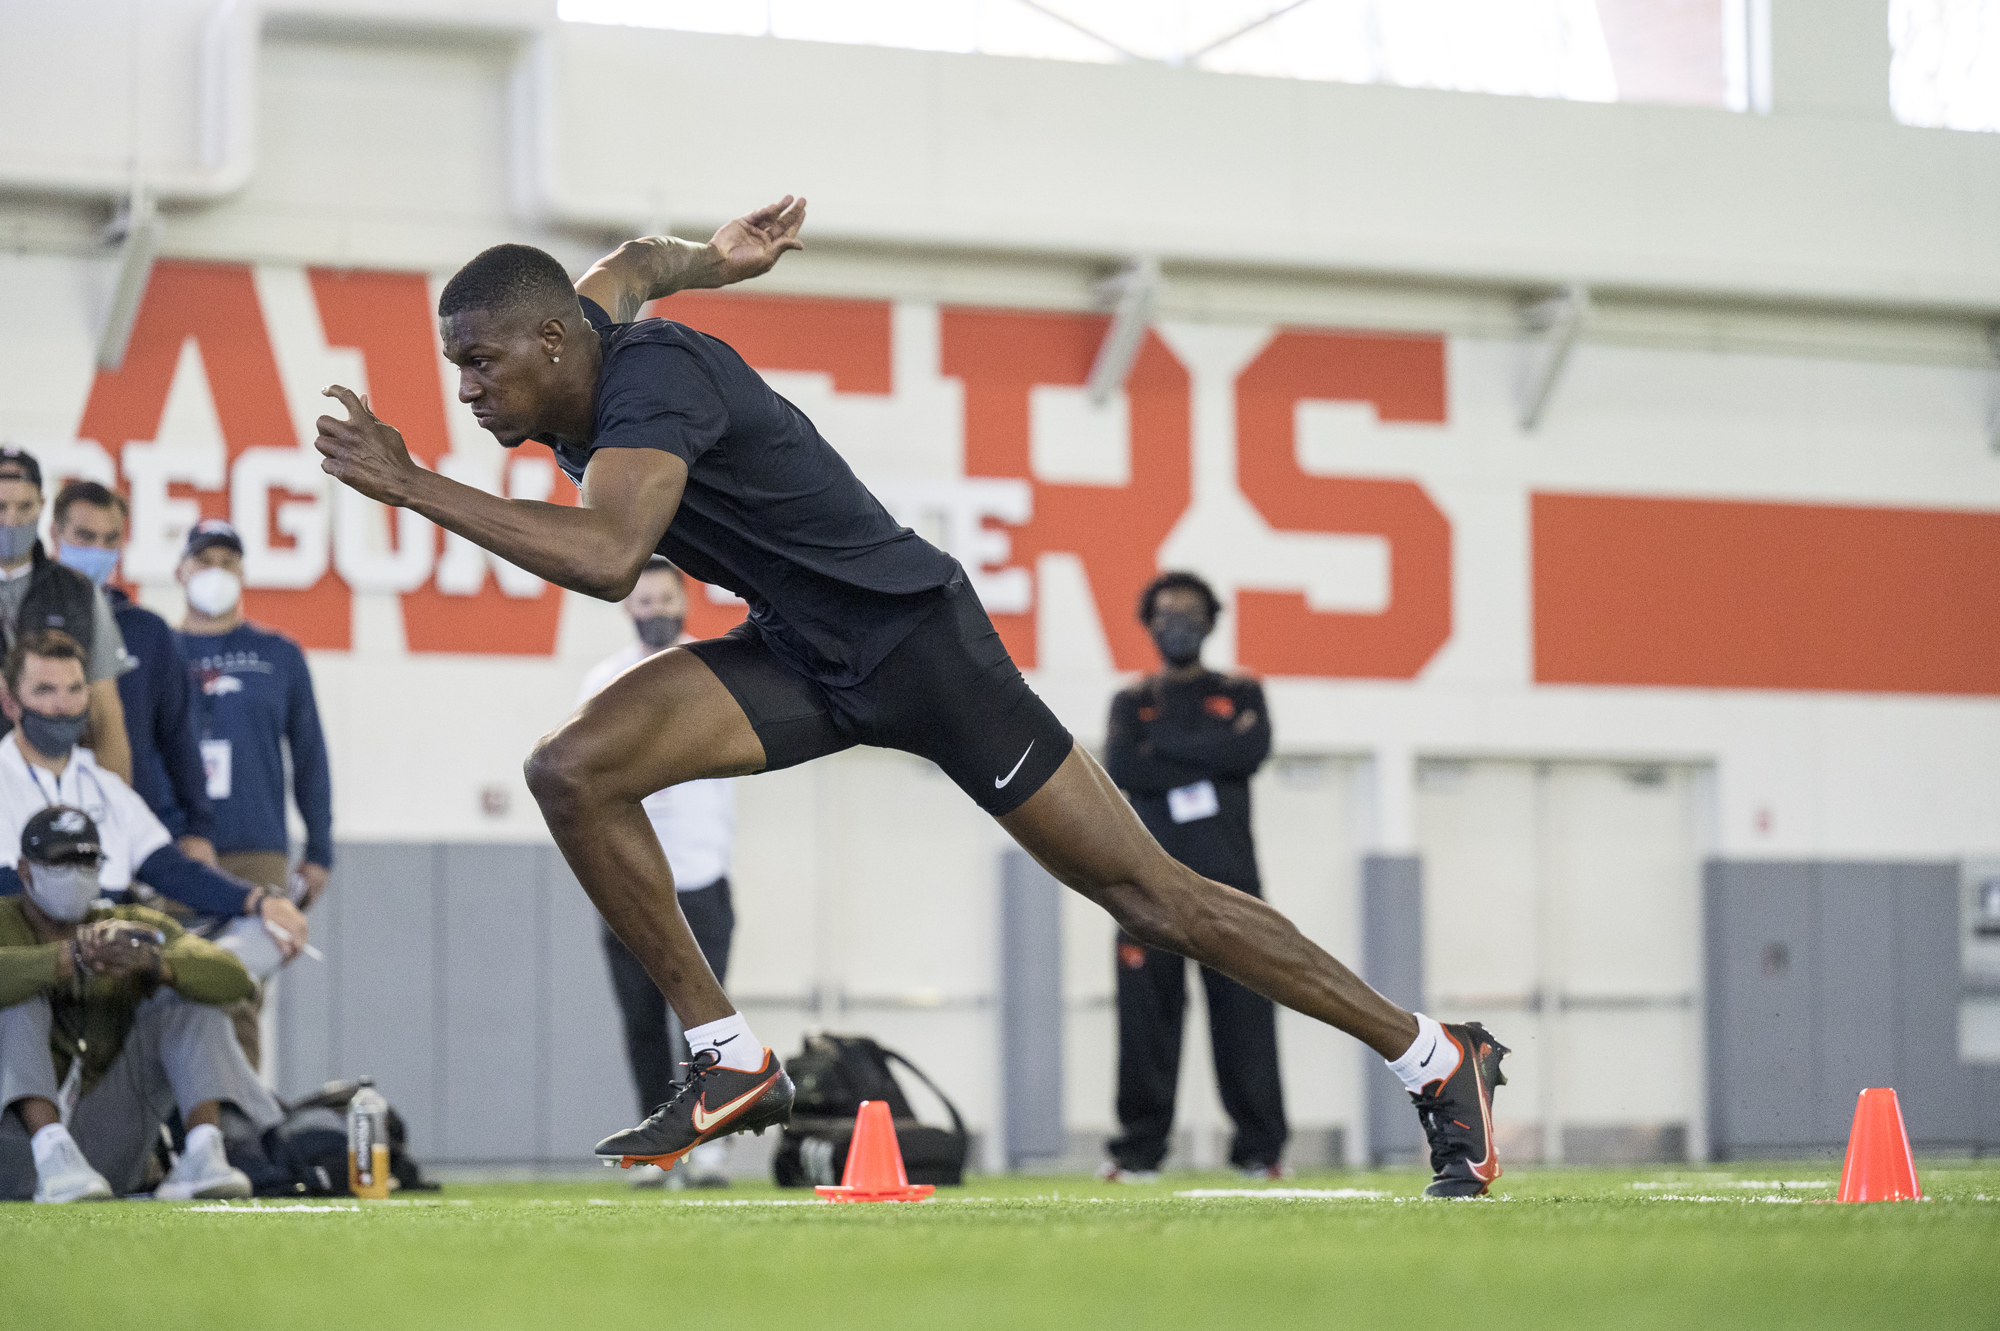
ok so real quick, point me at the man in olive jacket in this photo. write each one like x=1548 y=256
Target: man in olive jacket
x=110 y=1016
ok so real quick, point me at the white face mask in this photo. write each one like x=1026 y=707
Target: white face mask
x=63 y=891
x=214 y=591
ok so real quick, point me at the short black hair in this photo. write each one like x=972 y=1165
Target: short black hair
x=1184 y=581
x=88 y=492
x=506 y=278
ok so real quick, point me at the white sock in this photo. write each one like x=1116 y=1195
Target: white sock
x=203 y=1141
x=732 y=1041
x=1431 y=1056
x=48 y=1142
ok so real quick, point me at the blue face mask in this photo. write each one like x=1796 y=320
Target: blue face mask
x=94 y=563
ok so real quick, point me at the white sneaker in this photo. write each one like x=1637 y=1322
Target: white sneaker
x=61 y=1172
x=708 y=1164
x=203 y=1171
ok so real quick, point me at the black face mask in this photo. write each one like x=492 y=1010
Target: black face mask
x=53 y=736
x=660 y=632
x=1179 y=638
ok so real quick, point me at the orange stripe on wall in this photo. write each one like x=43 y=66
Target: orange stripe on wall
x=1709 y=594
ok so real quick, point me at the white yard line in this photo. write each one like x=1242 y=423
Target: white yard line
x=1321 y=1194
x=294 y=1208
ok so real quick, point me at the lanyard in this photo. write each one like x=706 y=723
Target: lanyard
x=49 y=800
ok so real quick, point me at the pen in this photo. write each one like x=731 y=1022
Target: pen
x=308 y=949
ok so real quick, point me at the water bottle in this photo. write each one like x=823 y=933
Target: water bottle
x=368 y=1142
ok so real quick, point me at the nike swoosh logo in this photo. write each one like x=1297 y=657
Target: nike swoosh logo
x=1485 y=1162
x=1000 y=782
x=704 y=1120
x=1428 y=1057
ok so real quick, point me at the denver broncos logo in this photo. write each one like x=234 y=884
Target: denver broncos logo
x=217 y=685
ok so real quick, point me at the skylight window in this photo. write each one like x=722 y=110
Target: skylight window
x=1583 y=50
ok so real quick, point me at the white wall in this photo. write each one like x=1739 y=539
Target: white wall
x=612 y=127
x=1731 y=359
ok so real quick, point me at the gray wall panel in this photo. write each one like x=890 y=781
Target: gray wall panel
x=305 y=996
x=1938 y=1094
x=1856 y=1010
x=468 y=981
x=1392 y=960
x=589 y=1091
x=385 y=970
x=1031 y=1009
x=1868 y=997
x=1762 y=949
x=492 y=943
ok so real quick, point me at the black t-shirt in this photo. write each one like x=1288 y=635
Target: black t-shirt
x=1168 y=739
x=771 y=511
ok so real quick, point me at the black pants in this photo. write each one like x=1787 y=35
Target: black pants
x=654 y=1044
x=1243 y=1027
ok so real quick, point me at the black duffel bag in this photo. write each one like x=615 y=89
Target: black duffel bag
x=833 y=1074
x=306 y=1154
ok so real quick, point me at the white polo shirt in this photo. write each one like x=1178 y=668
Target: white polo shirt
x=694 y=820
x=126 y=828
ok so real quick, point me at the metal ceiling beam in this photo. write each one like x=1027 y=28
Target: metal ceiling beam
x=136 y=232
x=1131 y=293
x=1555 y=324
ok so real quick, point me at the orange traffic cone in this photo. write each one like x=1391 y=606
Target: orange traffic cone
x=874 y=1170
x=1879 y=1167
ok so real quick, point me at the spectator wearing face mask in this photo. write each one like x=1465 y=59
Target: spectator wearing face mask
x=1182 y=745
x=90 y=527
x=694 y=822
x=253 y=701
x=108 y=1021
x=41 y=764
x=37 y=592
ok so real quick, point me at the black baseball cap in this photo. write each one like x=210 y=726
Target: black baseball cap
x=18 y=464
x=60 y=835
x=208 y=532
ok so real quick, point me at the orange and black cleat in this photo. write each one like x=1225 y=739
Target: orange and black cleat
x=1457 y=1114
x=714 y=1102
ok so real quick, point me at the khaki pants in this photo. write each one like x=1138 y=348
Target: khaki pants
x=270 y=869
x=177 y=1054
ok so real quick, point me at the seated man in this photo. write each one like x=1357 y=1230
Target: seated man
x=107 y=1022
x=41 y=764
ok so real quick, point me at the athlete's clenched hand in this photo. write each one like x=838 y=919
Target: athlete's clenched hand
x=751 y=244
x=362 y=452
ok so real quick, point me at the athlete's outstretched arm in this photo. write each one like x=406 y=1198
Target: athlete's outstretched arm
x=598 y=548
x=655 y=266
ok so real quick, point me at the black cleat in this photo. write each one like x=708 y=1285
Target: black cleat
x=1457 y=1114
x=714 y=1102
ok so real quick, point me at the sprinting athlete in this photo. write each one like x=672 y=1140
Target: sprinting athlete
x=860 y=632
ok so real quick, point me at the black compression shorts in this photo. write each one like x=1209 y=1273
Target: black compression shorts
x=948 y=692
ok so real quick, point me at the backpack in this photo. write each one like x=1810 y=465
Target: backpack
x=832 y=1075
x=306 y=1154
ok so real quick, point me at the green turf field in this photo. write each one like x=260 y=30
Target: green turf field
x=1688 y=1248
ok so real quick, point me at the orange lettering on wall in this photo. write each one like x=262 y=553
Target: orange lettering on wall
x=1716 y=594
x=847 y=340
x=1116 y=530
x=216 y=305
x=1277 y=633
x=387 y=318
